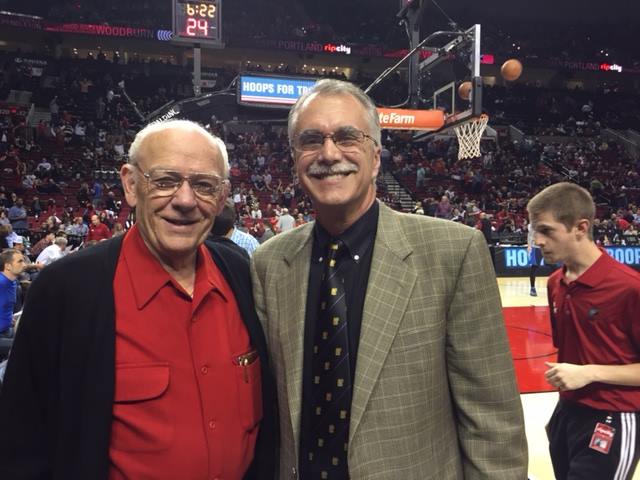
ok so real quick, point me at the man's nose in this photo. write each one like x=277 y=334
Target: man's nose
x=330 y=150
x=185 y=197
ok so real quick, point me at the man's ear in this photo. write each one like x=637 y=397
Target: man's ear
x=583 y=227
x=129 y=180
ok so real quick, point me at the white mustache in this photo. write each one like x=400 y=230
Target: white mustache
x=317 y=168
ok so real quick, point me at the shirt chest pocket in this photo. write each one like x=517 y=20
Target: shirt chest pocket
x=141 y=414
x=248 y=377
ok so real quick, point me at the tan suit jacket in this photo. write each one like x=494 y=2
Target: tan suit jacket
x=434 y=392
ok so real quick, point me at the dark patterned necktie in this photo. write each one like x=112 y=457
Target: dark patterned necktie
x=331 y=382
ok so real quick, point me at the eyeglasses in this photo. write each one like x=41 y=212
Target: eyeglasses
x=346 y=139
x=165 y=183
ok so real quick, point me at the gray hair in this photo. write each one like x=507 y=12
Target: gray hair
x=184 y=126
x=329 y=87
x=61 y=242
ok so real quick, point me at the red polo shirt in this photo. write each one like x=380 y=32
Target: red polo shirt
x=595 y=320
x=187 y=381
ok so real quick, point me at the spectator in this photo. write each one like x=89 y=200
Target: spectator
x=484 y=225
x=421 y=177
x=444 y=208
x=36 y=207
x=630 y=235
x=83 y=193
x=54 y=109
x=51 y=225
x=111 y=203
x=12 y=267
x=77 y=228
x=256 y=213
x=98 y=230
x=299 y=220
x=286 y=221
x=4 y=232
x=269 y=230
x=238 y=199
x=53 y=252
x=44 y=168
x=96 y=192
x=43 y=243
x=31 y=269
x=106 y=217
x=117 y=229
x=9 y=235
x=223 y=226
x=18 y=216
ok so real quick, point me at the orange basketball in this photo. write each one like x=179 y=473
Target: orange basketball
x=511 y=69
x=464 y=90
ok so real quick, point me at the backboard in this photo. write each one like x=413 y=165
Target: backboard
x=449 y=61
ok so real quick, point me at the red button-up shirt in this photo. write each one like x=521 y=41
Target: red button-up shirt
x=187 y=383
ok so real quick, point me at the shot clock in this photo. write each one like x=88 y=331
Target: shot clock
x=197 y=22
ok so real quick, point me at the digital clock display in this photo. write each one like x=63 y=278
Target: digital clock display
x=196 y=21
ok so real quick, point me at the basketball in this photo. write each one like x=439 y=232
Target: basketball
x=464 y=90
x=511 y=69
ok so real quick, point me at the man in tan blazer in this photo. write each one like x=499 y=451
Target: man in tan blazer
x=432 y=392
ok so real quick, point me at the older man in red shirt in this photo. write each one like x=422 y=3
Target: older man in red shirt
x=97 y=230
x=142 y=357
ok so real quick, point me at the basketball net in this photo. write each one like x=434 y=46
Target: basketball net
x=469 y=135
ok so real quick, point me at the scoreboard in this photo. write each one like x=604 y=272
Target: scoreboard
x=197 y=22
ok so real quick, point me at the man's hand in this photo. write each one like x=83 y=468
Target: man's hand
x=567 y=376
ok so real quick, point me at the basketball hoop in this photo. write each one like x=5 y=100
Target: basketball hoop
x=469 y=135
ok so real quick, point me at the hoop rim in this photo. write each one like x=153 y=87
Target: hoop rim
x=483 y=117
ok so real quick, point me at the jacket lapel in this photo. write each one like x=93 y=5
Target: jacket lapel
x=292 y=299
x=389 y=288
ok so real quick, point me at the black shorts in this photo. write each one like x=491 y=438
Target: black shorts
x=570 y=431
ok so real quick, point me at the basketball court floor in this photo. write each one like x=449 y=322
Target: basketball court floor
x=527 y=322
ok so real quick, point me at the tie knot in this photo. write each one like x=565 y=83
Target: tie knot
x=336 y=245
x=335 y=248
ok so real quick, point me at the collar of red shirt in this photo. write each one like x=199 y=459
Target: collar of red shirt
x=595 y=273
x=148 y=276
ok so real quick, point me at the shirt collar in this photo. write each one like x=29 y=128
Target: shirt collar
x=148 y=276
x=357 y=238
x=7 y=278
x=596 y=273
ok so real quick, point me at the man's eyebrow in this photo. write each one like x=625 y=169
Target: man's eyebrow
x=542 y=226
